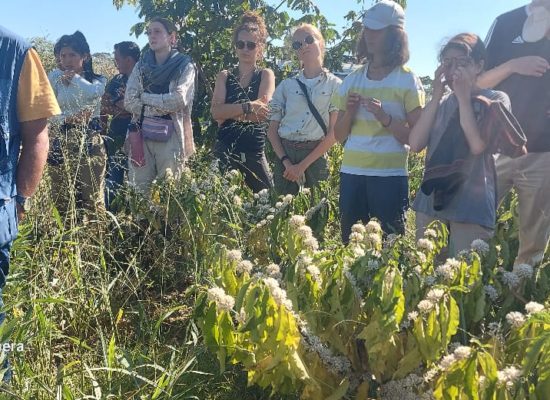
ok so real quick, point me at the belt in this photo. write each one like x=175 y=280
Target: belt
x=307 y=144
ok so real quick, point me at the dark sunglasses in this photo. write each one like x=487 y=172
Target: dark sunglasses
x=249 y=45
x=297 y=45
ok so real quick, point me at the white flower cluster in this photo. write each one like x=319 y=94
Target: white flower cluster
x=515 y=319
x=404 y=389
x=480 y=246
x=244 y=266
x=278 y=294
x=434 y=295
x=358 y=228
x=313 y=210
x=508 y=376
x=237 y=201
x=425 y=245
x=390 y=240
x=533 y=307
x=223 y=301
x=460 y=353
x=523 y=271
x=425 y=306
x=430 y=234
x=337 y=364
x=233 y=174
x=373 y=240
x=510 y=279
x=448 y=270
x=373 y=227
x=274 y=271
x=262 y=196
x=491 y=292
x=234 y=256
x=241 y=316
x=297 y=221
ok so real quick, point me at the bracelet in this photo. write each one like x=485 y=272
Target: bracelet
x=389 y=122
x=247 y=108
x=285 y=157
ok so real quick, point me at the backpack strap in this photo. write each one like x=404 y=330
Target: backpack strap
x=312 y=107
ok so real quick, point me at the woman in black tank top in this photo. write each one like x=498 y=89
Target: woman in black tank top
x=239 y=106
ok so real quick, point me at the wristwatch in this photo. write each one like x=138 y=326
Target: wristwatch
x=24 y=202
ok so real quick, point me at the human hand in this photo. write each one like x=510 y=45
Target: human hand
x=20 y=213
x=438 y=83
x=529 y=66
x=293 y=172
x=67 y=77
x=260 y=108
x=374 y=106
x=353 y=103
x=463 y=82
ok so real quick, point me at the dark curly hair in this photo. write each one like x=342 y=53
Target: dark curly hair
x=251 y=22
x=396 y=47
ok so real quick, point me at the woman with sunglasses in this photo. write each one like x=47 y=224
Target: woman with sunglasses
x=239 y=105
x=159 y=94
x=302 y=131
x=468 y=208
x=379 y=103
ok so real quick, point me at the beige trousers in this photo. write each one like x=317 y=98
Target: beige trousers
x=461 y=235
x=529 y=175
x=159 y=156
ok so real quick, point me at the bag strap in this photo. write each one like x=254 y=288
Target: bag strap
x=312 y=107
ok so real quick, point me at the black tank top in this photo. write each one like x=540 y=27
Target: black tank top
x=242 y=136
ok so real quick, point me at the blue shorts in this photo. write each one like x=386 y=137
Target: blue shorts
x=385 y=198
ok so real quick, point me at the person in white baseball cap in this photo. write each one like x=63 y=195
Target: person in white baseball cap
x=378 y=105
x=383 y=14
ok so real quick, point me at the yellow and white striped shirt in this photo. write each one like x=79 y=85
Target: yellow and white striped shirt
x=371 y=149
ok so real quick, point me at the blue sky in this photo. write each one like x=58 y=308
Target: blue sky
x=429 y=22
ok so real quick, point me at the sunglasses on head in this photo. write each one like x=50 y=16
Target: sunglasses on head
x=297 y=45
x=249 y=45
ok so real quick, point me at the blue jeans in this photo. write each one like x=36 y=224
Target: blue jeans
x=385 y=198
x=114 y=179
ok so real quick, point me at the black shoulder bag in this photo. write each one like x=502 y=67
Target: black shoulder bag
x=312 y=107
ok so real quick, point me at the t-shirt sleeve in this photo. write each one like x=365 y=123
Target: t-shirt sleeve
x=35 y=97
x=414 y=96
x=339 y=97
x=277 y=105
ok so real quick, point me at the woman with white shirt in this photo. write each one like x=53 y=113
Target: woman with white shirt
x=77 y=154
x=159 y=94
x=301 y=132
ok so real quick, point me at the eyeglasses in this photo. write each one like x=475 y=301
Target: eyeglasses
x=297 y=45
x=249 y=45
x=458 y=61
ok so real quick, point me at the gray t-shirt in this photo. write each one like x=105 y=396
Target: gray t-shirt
x=475 y=201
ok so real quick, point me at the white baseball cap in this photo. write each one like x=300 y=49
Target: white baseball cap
x=383 y=14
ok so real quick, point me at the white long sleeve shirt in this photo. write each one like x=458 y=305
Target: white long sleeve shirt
x=78 y=95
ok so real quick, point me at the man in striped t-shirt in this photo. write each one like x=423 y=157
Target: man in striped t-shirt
x=378 y=105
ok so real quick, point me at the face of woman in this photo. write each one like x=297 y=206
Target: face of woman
x=455 y=58
x=70 y=60
x=159 y=38
x=374 y=38
x=248 y=47
x=307 y=46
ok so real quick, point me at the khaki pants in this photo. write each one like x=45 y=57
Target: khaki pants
x=159 y=156
x=461 y=235
x=529 y=175
x=80 y=177
x=314 y=174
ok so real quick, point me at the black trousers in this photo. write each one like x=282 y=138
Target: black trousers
x=253 y=165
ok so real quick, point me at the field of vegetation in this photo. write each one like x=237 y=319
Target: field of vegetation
x=211 y=292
